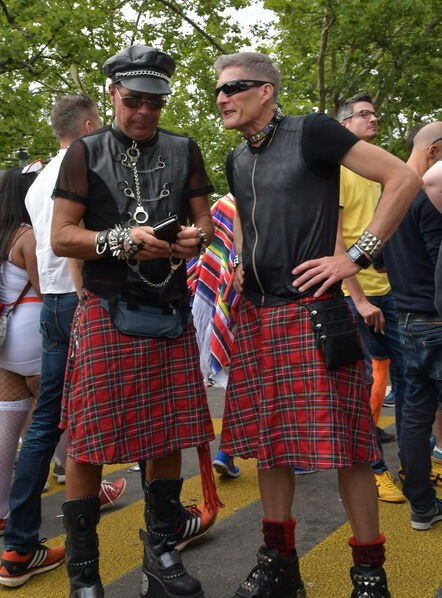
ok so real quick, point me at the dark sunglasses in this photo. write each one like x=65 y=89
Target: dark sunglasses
x=238 y=85
x=138 y=101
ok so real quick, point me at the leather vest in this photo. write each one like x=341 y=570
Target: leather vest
x=288 y=214
x=163 y=172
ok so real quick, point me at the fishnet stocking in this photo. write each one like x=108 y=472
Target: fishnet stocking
x=12 y=418
x=15 y=406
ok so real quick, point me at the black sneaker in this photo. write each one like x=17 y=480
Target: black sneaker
x=384 y=436
x=275 y=576
x=424 y=521
x=369 y=582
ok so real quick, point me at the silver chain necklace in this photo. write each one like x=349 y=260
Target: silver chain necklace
x=140 y=215
x=130 y=159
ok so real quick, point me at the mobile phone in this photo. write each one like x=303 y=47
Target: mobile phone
x=167 y=229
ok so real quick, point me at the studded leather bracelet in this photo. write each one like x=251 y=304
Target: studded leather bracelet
x=370 y=244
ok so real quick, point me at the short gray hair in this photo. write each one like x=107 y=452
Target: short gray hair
x=346 y=107
x=69 y=113
x=257 y=66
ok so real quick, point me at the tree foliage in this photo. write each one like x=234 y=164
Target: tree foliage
x=327 y=50
x=330 y=50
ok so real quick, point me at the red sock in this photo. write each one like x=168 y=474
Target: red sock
x=368 y=553
x=280 y=535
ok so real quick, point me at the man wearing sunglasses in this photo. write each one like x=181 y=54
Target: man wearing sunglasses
x=134 y=390
x=288 y=403
x=369 y=293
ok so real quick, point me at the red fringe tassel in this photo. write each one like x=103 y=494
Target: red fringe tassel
x=211 y=498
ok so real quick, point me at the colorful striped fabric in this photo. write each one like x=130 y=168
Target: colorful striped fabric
x=213 y=297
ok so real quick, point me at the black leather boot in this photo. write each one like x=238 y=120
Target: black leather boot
x=81 y=517
x=369 y=582
x=275 y=576
x=164 y=575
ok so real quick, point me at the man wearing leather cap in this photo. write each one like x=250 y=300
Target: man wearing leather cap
x=133 y=388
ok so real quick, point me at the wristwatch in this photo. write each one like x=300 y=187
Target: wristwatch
x=357 y=256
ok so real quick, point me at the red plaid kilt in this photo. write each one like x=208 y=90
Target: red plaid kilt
x=283 y=406
x=127 y=398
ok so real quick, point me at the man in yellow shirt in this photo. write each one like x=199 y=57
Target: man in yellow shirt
x=368 y=293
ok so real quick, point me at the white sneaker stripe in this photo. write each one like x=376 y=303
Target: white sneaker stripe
x=38 y=558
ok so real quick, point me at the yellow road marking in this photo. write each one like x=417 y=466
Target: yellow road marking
x=324 y=568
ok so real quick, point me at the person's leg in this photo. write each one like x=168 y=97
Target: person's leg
x=15 y=404
x=277 y=572
x=22 y=531
x=163 y=570
x=277 y=488
x=380 y=378
x=375 y=344
x=81 y=511
x=422 y=356
x=358 y=493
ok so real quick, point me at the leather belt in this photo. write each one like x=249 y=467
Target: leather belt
x=415 y=316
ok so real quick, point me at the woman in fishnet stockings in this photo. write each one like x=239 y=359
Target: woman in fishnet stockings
x=20 y=356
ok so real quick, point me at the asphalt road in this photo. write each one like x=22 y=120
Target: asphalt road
x=222 y=559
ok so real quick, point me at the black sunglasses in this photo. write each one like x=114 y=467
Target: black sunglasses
x=138 y=101
x=238 y=85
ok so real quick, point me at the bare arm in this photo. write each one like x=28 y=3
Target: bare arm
x=25 y=251
x=372 y=315
x=400 y=184
x=238 y=281
x=188 y=242
x=433 y=184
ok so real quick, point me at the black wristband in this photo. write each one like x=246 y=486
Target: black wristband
x=101 y=242
x=357 y=256
x=237 y=260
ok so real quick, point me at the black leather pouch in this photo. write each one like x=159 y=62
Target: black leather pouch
x=146 y=320
x=335 y=332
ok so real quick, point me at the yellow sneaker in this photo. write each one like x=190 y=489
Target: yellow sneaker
x=387 y=489
x=436 y=473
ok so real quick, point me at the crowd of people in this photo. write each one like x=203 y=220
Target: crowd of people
x=95 y=257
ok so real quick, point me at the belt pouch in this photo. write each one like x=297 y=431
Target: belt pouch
x=146 y=320
x=335 y=332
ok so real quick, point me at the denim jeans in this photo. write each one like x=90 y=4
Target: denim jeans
x=388 y=344
x=22 y=531
x=422 y=344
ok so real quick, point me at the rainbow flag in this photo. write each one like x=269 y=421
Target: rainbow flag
x=209 y=279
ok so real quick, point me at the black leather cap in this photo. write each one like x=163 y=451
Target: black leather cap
x=141 y=68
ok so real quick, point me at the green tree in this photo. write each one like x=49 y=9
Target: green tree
x=330 y=50
x=50 y=48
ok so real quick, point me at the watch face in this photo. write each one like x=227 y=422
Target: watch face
x=353 y=253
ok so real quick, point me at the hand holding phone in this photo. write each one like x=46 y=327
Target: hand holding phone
x=167 y=229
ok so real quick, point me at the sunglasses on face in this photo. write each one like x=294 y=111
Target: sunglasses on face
x=232 y=87
x=156 y=103
x=365 y=114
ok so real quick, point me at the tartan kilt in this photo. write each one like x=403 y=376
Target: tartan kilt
x=283 y=406
x=127 y=398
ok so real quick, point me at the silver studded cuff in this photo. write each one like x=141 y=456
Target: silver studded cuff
x=117 y=238
x=370 y=244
